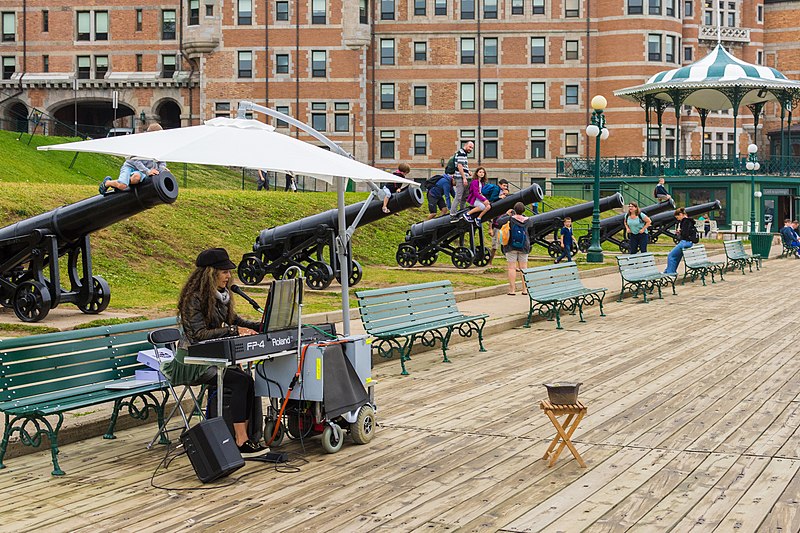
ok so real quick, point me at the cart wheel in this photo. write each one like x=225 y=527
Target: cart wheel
x=584 y=242
x=319 y=275
x=363 y=429
x=462 y=257
x=31 y=301
x=406 y=255
x=332 y=438
x=251 y=270
x=269 y=428
x=428 y=259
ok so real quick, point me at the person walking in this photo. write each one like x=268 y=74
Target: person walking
x=439 y=193
x=263 y=180
x=460 y=172
x=636 y=224
x=687 y=235
x=566 y=240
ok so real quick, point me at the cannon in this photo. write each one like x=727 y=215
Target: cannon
x=610 y=226
x=663 y=223
x=34 y=245
x=302 y=244
x=424 y=240
x=550 y=222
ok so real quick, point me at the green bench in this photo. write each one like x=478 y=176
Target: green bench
x=737 y=257
x=399 y=316
x=556 y=288
x=697 y=263
x=788 y=249
x=47 y=375
x=640 y=273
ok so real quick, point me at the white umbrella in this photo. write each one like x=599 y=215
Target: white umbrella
x=252 y=144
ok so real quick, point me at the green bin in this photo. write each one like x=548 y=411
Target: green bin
x=761 y=243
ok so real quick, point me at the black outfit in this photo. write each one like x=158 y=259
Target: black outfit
x=685 y=228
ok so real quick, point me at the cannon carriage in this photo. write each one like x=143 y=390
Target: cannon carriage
x=663 y=223
x=609 y=227
x=310 y=244
x=30 y=250
x=459 y=239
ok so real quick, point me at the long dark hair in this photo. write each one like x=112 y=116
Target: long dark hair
x=485 y=177
x=203 y=282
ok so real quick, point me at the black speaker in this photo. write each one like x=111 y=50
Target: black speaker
x=211 y=449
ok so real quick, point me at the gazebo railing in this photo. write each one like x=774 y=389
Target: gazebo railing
x=572 y=167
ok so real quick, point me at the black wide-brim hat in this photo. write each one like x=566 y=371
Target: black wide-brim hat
x=215 y=258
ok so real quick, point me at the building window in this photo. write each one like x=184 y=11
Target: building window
x=245 y=65
x=759 y=57
x=467 y=9
x=282 y=11
x=100 y=67
x=341 y=121
x=687 y=53
x=654 y=7
x=420 y=144
x=84 y=25
x=285 y=110
x=688 y=9
x=387 y=51
x=572 y=50
x=467 y=96
x=420 y=51
x=387 y=95
x=670 y=6
x=363 y=11
x=387 y=144
x=537 y=7
x=440 y=7
x=517 y=7
x=654 y=47
x=538 y=138
x=420 y=95
x=708 y=17
x=669 y=49
x=387 y=9
x=245 y=9
x=490 y=9
x=732 y=16
x=571 y=143
x=168 y=65
x=101 y=25
x=571 y=95
x=45 y=63
x=84 y=67
x=222 y=109
x=572 y=8
x=194 y=12
x=467 y=51
x=138 y=20
x=537 y=50
x=168 y=24
x=319 y=59
x=537 y=95
x=282 y=64
x=490 y=95
x=490 y=51
x=209 y=10
x=318 y=120
x=760 y=13
x=319 y=11
x=490 y=143
x=9 y=27
x=139 y=65
x=420 y=8
x=9 y=67
x=635 y=7
x=45 y=21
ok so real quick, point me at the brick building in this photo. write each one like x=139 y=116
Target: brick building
x=388 y=79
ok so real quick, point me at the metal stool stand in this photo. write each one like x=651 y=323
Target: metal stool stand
x=575 y=413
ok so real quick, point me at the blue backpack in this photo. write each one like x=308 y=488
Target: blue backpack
x=491 y=192
x=517 y=239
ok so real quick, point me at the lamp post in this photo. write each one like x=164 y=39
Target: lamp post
x=596 y=129
x=753 y=166
x=142 y=120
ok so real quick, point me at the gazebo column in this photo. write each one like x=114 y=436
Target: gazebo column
x=735 y=95
x=756 y=110
x=648 y=100
x=678 y=97
x=703 y=116
x=660 y=107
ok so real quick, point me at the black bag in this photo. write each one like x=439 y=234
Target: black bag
x=693 y=236
x=450 y=167
x=430 y=183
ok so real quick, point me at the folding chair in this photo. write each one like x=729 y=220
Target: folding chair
x=168 y=337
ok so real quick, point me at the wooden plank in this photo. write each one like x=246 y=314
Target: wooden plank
x=785 y=514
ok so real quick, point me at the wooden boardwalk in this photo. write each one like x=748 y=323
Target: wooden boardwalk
x=694 y=409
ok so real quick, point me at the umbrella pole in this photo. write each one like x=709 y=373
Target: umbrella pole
x=341 y=253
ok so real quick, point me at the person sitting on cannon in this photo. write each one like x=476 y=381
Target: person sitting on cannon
x=391 y=188
x=480 y=204
x=134 y=170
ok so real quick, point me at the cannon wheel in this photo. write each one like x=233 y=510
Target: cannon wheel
x=406 y=255
x=31 y=301
x=428 y=259
x=584 y=242
x=355 y=275
x=251 y=270
x=625 y=246
x=554 y=249
x=101 y=296
x=280 y=272
x=653 y=239
x=319 y=275
x=482 y=255
x=462 y=257
x=676 y=240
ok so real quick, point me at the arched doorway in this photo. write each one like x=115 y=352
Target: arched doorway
x=94 y=118
x=16 y=118
x=169 y=114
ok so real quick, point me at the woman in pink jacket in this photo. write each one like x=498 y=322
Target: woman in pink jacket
x=475 y=199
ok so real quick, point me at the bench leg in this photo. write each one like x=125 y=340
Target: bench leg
x=4 y=443
x=530 y=314
x=113 y=423
x=557 y=309
x=579 y=304
x=703 y=277
x=602 y=297
x=33 y=438
x=405 y=352
x=644 y=291
x=136 y=412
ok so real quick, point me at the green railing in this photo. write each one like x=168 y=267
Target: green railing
x=685 y=166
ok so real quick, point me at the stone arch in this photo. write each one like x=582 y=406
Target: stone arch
x=15 y=117
x=95 y=116
x=168 y=112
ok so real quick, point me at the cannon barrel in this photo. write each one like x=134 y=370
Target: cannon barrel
x=668 y=219
x=650 y=210
x=526 y=196
x=576 y=212
x=69 y=223
x=405 y=199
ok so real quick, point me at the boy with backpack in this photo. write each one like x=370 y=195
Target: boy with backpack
x=439 y=190
x=516 y=243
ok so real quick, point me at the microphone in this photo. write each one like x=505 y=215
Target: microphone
x=240 y=292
